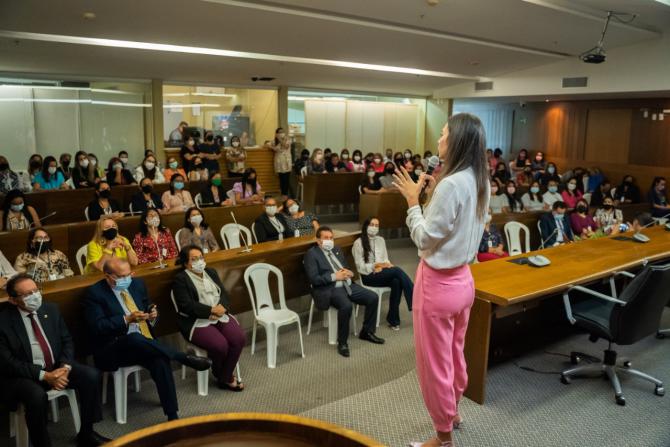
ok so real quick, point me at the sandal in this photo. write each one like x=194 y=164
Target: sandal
x=237 y=387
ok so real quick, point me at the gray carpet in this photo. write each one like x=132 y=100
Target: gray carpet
x=376 y=393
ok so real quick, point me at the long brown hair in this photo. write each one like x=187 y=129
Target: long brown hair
x=466 y=148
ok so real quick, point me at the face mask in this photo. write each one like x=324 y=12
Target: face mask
x=191 y=142
x=149 y=165
x=178 y=186
x=33 y=301
x=45 y=246
x=271 y=210
x=65 y=162
x=252 y=180
x=4 y=166
x=94 y=162
x=373 y=231
x=538 y=158
x=209 y=138
x=216 y=181
x=17 y=208
x=558 y=215
x=173 y=165
x=608 y=207
x=124 y=160
x=408 y=155
x=553 y=189
x=198 y=266
x=572 y=186
x=378 y=160
x=105 y=193
x=84 y=163
x=582 y=209
x=551 y=170
x=357 y=158
x=154 y=222
x=418 y=172
x=121 y=284
x=51 y=170
x=390 y=170
x=236 y=143
x=293 y=209
x=371 y=174
x=196 y=220
x=511 y=190
x=110 y=234
x=35 y=164
x=328 y=244
x=117 y=166
x=345 y=156
x=146 y=189
x=534 y=189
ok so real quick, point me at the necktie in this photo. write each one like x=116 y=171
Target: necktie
x=132 y=307
x=337 y=265
x=42 y=341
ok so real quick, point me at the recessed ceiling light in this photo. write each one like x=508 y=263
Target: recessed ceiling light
x=89 y=15
x=546 y=100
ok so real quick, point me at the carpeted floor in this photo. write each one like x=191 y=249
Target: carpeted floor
x=376 y=393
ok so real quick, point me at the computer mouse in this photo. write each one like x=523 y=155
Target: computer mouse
x=538 y=261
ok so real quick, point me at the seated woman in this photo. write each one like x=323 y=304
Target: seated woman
x=491 y=247
x=552 y=195
x=198 y=172
x=298 y=222
x=103 y=204
x=117 y=174
x=248 y=190
x=197 y=232
x=498 y=200
x=571 y=195
x=146 y=198
x=525 y=177
x=377 y=163
x=532 y=200
x=93 y=159
x=551 y=174
x=627 y=191
x=204 y=317
x=16 y=215
x=271 y=225
x=214 y=193
x=538 y=165
x=317 y=164
x=84 y=174
x=106 y=244
x=371 y=183
x=581 y=222
x=154 y=242
x=513 y=204
x=49 y=177
x=657 y=197
x=607 y=217
x=176 y=199
x=372 y=263
x=6 y=270
x=522 y=161
x=386 y=180
x=501 y=176
x=40 y=260
x=173 y=168
x=149 y=169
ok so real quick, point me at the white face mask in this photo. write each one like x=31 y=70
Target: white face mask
x=154 y=222
x=357 y=158
x=124 y=160
x=149 y=165
x=94 y=162
x=327 y=244
x=117 y=166
x=196 y=220
x=293 y=209
x=408 y=155
x=373 y=231
x=418 y=172
x=198 y=266
x=377 y=160
x=33 y=301
x=84 y=163
x=371 y=174
x=572 y=186
x=345 y=156
x=236 y=143
x=271 y=210
x=52 y=170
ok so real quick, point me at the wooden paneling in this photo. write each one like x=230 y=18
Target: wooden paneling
x=650 y=141
x=608 y=135
x=331 y=189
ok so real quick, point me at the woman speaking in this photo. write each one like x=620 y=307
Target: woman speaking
x=447 y=233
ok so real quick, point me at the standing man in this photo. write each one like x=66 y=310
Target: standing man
x=332 y=286
x=210 y=152
x=177 y=136
x=37 y=355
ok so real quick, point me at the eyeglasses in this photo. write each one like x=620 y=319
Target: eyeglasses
x=199 y=258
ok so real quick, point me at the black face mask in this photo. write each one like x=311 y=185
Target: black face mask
x=390 y=170
x=305 y=157
x=582 y=209
x=35 y=165
x=110 y=234
x=146 y=189
x=65 y=163
x=105 y=194
x=608 y=207
x=46 y=246
x=4 y=166
x=209 y=138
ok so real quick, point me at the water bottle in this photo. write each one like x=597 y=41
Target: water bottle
x=296 y=233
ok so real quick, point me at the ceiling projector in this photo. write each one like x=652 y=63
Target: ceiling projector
x=595 y=56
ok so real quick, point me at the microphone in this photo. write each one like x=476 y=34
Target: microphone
x=247 y=249
x=553 y=233
x=42 y=219
x=39 y=250
x=433 y=162
x=639 y=237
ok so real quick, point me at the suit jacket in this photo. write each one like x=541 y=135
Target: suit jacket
x=189 y=307
x=104 y=315
x=265 y=231
x=319 y=273
x=208 y=197
x=16 y=359
x=140 y=204
x=548 y=227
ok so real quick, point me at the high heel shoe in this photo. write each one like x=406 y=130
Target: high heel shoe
x=458 y=421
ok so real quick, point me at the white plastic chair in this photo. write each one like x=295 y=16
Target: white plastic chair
x=17 y=419
x=360 y=190
x=513 y=236
x=82 y=257
x=301 y=185
x=198 y=200
x=231 y=195
x=176 y=238
x=330 y=321
x=230 y=235
x=379 y=291
x=587 y=197
x=120 y=378
x=253 y=231
x=539 y=230
x=86 y=214
x=257 y=279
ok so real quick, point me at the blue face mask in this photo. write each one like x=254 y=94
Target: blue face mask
x=178 y=186
x=17 y=208
x=123 y=283
x=553 y=189
x=534 y=189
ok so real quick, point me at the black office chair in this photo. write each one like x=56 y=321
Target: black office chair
x=623 y=321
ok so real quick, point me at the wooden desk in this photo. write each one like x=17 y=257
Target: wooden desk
x=389 y=207
x=331 y=189
x=503 y=288
x=287 y=255
x=68 y=238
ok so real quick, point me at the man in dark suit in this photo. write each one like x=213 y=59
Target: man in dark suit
x=119 y=317
x=271 y=225
x=332 y=286
x=37 y=355
x=555 y=226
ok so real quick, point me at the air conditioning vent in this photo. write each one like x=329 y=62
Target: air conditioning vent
x=575 y=82
x=75 y=84
x=481 y=86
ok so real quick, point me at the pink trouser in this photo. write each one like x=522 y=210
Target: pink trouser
x=442 y=301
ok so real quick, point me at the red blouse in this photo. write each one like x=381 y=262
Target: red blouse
x=147 y=249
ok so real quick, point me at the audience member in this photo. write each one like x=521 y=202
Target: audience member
x=271 y=225
x=197 y=232
x=641 y=221
x=532 y=200
x=357 y=164
x=657 y=198
x=317 y=164
x=377 y=163
x=49 y=178
x=107 y=244
x=154 y=242
x=596 y=178
x=492 y=163
x=345 y=157
x=64 y=160
x=582 y=224
x=84 y=174
x=40 y=260
x=236 y=157
x=555 y=227
x=607 y=217
x=388 y=155
x=173 y=168
x=149 y=169
x=398 y=160
x=16 y=215
x=187 y=152
x=146 y=198
x=525 y=176
x=552 y=195
x=326 y=154
x=214 y=193
x=198 y=172
x=119 y=316
x=10 y=180
x=282 y=160
x=117 y=174
x=571 y=195
x=335 y=164
x=177 y=135
x=103 y=204
x=331 y=285
x=498 y=200
x=6 y=270
x=204 y=318
x=518 y=165
x=36 y=356
x=376 y=270
x=513 y=204
x=123 y=156
x=603 y=190
x=93 y=159
x=627 y=191
x=539 y=164
x=298 y=222
x=371 y=184
x=301 y=162
x=491 y=246
x=426 y=156
x=176 y=199
x=386 y=180
x=551 y=173
x=210 y=153
x=501 y=176
x=248 y=190
x=35 y=163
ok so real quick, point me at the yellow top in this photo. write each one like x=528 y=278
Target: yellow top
x=94 y=252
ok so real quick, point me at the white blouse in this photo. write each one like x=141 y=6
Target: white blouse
x=550 y=197
x=532 y=205
x=497 y=202
x=209 y=294
x=448 y=231
x=378 y=255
